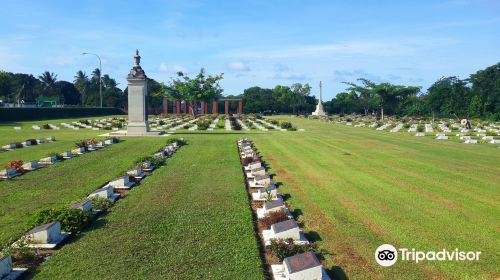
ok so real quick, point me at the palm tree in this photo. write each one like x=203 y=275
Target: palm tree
x=49 y=80
x=81 y=83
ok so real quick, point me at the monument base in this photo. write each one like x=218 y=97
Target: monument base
x=319 y=111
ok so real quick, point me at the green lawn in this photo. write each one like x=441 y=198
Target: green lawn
x=190 y=220
x=359 y=188
x=354 y=189
x=65 y=182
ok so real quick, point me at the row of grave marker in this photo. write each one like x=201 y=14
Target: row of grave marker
x=305 y=266
x=50 y=236
x=445 y=133
x=10 y=173
x=28 y=143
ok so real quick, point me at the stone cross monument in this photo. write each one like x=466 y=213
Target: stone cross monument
x=137 y=90
x=319 y=108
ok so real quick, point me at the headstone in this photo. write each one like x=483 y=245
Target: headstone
x=105 y=192
x=67 y=154
x=8 y=173
x=286 y=229
x=85 y=205
x=259 y=171
x=269 y=193
x=48 y=160
x=32 y=165
x=260 y=181
x=121 y=183
x=45 y=234
x=5 y=266
x=136 y=173
x=303 y=267
x=79 y=150
x=147 y=166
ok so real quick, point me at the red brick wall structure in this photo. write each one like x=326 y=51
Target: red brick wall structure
x=215 y=107
x=226 y=107
x=165 y=106
x=240 y=107
x=203 y=107
x=178 y=107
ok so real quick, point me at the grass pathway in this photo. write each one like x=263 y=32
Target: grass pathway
x=190 y=220
x=65 y=182
x=359 y=188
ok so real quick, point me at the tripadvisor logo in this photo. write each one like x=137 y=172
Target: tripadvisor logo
x=386 y=255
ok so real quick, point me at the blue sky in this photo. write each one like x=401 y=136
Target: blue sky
x=255 y=43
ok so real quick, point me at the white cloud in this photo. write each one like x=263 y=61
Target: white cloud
x=172 y=68
x=387 y=47
x=238 y=66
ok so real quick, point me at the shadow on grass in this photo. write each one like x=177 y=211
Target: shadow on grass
x=286 y=196
x=297 y=212
x=313 y=236
x=337 y=273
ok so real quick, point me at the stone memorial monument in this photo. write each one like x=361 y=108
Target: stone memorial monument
x=319 y=108
x=137 y=90
x=137 y=110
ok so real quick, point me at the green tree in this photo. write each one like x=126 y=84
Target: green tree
x=49 y=80
x=5 y=85
x=82 y=83
x=69 y=92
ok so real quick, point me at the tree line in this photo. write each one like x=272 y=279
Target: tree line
x=83 y=91
x=477 y=96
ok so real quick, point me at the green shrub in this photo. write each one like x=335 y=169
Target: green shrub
x=275 y=122
x=57 y=155
x=420 y=128
x=155 y=161
x=286 y=125
x=100 y=203
x=286 y=248
x=81 y=143
x=72 y=220
x=180 y=141
x=203 y=125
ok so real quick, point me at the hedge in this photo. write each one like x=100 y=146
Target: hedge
x=34 y=114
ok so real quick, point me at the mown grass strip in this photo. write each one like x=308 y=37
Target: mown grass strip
x=188 y=221
x=360 y=188
x=62 y=184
